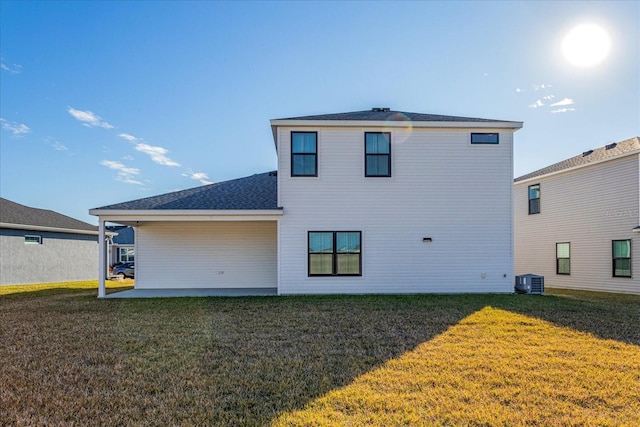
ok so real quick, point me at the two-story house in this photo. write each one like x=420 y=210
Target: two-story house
x=373 y=201
x=577 y=221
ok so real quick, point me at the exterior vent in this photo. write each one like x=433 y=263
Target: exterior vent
x=529 y=284
x=586 y=153
x=611 y=146
x=381 y=109
x=273 y=173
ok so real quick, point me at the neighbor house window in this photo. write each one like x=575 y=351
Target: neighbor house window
x=484 y=138
x=127 y=255
x=335 y=253
x=563 y=258
x=534 y=199
x=33 y=240
x=622 y=258
x=377 y=154
x=304 y=154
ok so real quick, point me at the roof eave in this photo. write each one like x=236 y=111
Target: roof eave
x=51 y=229
x=394 y=124
x=608 y=159
x=182 y=214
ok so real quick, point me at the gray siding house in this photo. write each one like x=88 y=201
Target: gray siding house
x=43 y=246
x=577 y=221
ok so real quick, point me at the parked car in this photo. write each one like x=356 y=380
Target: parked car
x=124 y=270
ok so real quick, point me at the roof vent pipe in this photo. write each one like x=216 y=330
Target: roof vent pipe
x=381 y=109
x=611 y=146
x=586 y=153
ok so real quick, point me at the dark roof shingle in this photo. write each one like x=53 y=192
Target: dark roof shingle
x=385 y=114
x=589 y=156
x=253 y=192
x=15 y=213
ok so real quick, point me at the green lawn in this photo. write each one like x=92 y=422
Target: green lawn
x=568 y=358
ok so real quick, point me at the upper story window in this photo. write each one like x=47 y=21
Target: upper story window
x=32 y=239
x=304 y=153
x=563 y=258
x=534 y=199
x=377 y=154
x=622 y=258
x=334 y=253
x=485 y=138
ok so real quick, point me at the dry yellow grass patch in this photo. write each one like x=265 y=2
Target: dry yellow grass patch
x=493 y=368
x=59 y=286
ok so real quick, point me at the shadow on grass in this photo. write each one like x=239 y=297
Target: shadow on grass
x=605 y=315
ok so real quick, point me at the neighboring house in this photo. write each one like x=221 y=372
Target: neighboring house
x=374 y=201
x=121 y=245
x=43 y=246
x=576 y=222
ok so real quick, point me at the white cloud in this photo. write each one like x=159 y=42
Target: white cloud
x=13 y=69
x=157 y=154
x=563 y=110
x=541 y=86
x=88 y=118
x=536 y=104
x=128 y=137
x=518 y=90
x=202 y=177
x=17 y=129
x=548 y=97
x=565 y=101
x=125 y=174
x=55 y=144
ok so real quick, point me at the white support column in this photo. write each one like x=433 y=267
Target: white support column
x=102 y=259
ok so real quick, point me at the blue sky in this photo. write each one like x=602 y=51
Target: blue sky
x=103 y=102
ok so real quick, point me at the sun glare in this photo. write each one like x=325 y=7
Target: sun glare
x=586 y=45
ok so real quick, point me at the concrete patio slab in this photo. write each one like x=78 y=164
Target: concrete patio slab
x=173 y=293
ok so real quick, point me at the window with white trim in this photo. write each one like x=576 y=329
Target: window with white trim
x=126 y=255
x=31 y=239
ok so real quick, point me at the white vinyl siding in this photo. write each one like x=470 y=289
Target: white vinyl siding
x=589 y=207
x=458 y=194
x=236 y=254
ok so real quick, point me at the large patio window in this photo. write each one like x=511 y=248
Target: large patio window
x=334 y=253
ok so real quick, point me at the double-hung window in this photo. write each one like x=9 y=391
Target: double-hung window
x=334 y=253
x=377 y=154
x=622 y=258
x=127 y=255
x=304 y=153
x=563 y=258
x=534 y=199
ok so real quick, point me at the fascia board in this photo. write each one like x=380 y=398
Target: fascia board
x=186 y=215
x=597 y=162
x=394 y=124
x=52 y=229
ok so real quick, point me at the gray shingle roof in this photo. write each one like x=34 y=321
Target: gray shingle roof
x=253 y=192
x=589 y=156
x=385 y=114
x=15 y=213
